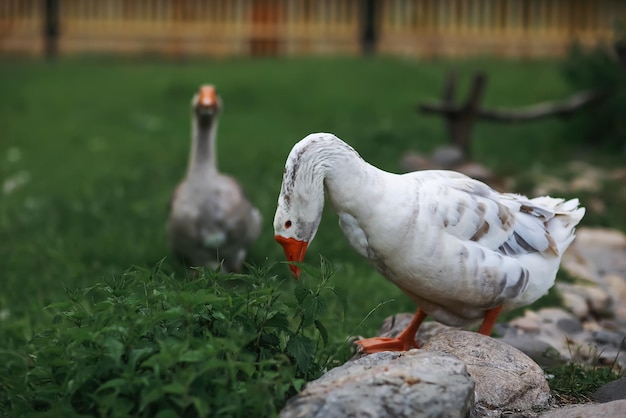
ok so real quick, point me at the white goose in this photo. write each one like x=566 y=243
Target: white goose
x=459 y=249
x=210 y=222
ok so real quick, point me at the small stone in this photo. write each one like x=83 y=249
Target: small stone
x=591 y=326
x=530 y=322
x=617 y=286
x=585 y=183
x=412 y=161
x=598 y=298
x=604 y=237
x=549 y=186
x=569 y=326
x=620 y=313
x=614 y=339
x=575 y=303
x=578 y=266
x=447 y=157
x=475 y=171
x=582 y=299
x=612 y=391
x=602 y=410
x=596 y=205
x=618 y=174
x=563 y=320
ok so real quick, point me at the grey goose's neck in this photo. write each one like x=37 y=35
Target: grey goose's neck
x=203 y=156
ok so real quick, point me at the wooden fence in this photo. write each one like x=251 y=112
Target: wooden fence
x=421 y=28
x=516 y=28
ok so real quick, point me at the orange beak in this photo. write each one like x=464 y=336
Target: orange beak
x=207 y=96
x=294 y=251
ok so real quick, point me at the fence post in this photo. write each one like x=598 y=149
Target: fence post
x=369 y=32
x=51 y=28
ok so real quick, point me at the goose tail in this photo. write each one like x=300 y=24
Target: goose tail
x=562 y=226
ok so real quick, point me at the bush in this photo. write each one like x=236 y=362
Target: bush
x=148 y=344
x=602 y=124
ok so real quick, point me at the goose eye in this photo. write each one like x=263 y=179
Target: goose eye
x=288 y=224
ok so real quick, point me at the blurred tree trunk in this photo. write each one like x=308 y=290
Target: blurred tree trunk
x=369 y=26
x=51 y=28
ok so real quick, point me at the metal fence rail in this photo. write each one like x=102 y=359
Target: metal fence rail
x=420 y=28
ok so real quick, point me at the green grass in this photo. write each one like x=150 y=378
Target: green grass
x=99 y=144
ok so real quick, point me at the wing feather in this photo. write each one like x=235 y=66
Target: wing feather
x=510 y=224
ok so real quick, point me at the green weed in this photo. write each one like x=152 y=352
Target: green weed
x=578 y=380
x=147 y=344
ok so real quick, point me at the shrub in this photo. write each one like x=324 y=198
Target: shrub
x=148 y=344
x=602 y=124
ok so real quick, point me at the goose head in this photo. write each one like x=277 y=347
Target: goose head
x=206 y=104
x=300 y=203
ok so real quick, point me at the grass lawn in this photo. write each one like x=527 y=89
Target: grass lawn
x=91 y=150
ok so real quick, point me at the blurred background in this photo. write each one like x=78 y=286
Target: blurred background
x=413 y=28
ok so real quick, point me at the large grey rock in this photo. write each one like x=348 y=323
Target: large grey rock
x=613 y=409
x=612 y=391
x=506 y=379
x=415 y=383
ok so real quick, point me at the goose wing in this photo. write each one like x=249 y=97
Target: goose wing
x=507 y=223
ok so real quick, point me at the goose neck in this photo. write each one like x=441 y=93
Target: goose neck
x=203 y=153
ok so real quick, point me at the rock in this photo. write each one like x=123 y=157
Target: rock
x=596 y=252
x=598 y=299
x=574 y=302
x=620 y=313
x=530 y=322
x=540 y=351
x=413 y=161
x=596 y=205
x=562 y=322
x=618 y=174
x=591 y=325
x=550 y=185
x=586 y=183
x=388 y=384
x=615 y=339
x=476 y=171
x=578 y=266
x=602 y=410
x=616 y=285
x=612 y=391
x=451 y=158
x=584 y=299
x=605 y=237
x=447 y=157
x=601 y=248
x=506 y=378
x=482 y=173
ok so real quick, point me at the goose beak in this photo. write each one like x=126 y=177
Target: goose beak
x=207 y=97
x=294 y=251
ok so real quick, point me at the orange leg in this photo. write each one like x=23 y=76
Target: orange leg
x=489 y=320
x=402 y=342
